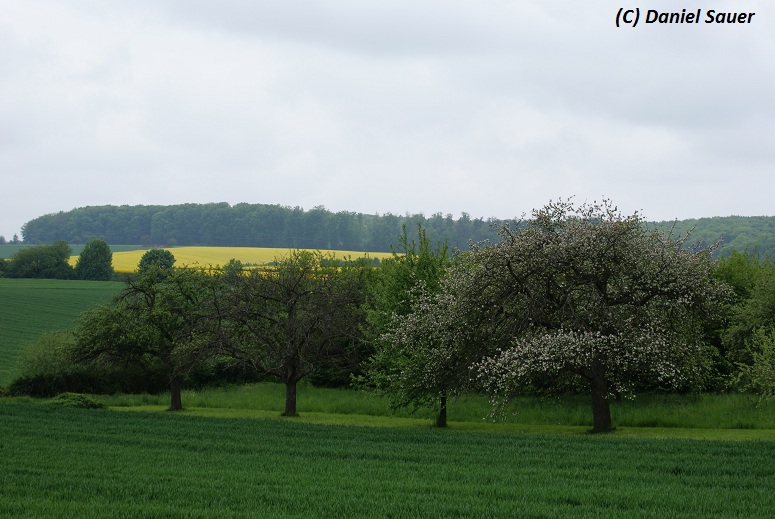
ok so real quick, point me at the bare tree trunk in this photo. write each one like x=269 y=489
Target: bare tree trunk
x=601 y=409
x=441 y=420
x=290 y=399
x=176 y=404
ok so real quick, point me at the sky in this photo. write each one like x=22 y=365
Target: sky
x=488 y=107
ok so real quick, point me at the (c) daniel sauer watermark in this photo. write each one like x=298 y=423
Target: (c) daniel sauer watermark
x=632 y=16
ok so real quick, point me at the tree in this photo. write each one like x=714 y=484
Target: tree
x=42 y=261
x=160 y=258
x=95 y=262
x=411 y=340
x=297 y=317
x=425 y=356
x=753 y=315
x=586 y=296
x=759 y=376
x=166 y=321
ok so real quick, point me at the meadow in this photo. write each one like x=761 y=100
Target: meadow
x=62 y=462
x=31 y=307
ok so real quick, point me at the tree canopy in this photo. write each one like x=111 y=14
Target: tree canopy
x=41 y=261
x=95 y=262
x=297 y=317
x=587 y=295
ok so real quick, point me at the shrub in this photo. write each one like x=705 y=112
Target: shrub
x=76 y=400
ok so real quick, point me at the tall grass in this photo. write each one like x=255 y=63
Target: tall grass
x=703 y=411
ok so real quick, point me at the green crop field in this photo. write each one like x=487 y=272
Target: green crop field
x=8 y=250
x=61 y=462
x=30 y=307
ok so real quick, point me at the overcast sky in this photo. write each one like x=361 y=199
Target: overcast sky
x=481 y=106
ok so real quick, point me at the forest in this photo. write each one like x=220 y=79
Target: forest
x=248 y=225
x=263 y=225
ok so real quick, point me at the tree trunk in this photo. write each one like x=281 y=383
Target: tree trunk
x=290 y=399
x=441 y=420
x=601 y=409
x=176 y=404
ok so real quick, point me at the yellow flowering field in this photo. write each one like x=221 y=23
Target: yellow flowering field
x=126 y=262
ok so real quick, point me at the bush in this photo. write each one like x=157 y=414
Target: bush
x=42 y=262
x=47 y=370
x=76 y=400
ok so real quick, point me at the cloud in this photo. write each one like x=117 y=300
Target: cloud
x=490 y=108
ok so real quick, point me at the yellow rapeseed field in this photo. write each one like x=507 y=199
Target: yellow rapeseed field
x=126 y=262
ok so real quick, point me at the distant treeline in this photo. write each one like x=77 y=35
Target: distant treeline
x=262 y=225
x=249 y=225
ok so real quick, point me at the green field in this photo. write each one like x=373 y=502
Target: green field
x=8 y=250
x=30 y=307
x=60 y=462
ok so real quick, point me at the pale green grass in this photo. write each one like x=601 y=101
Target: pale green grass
x=688 y=416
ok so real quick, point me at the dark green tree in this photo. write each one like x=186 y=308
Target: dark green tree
x=298 y=317
x=95 y=262
x=42 y=261
x=166 y=321
x=752 y=313
x=161 y=259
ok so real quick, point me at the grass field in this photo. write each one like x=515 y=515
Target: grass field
x=30 y=307
x=59 y=462
x=8 y=250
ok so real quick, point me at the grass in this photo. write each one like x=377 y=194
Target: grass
x=60 y=462
x=731 y=416
x=31 y=307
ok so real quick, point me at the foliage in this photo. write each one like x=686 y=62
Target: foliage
x=42 y=262
x=740 y=270
x=95 y=262
x=585 y=295
x=751 y=313
x=752 y=234
x=413 y=262
x=164 y=321
x=408 y=366
x=249 y=225
x=291 y=320
x=77 y=400
x=425 y=356
x=155 y=259
x=759 y=376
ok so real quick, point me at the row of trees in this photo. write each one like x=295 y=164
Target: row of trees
x=262 y=225
x=287 y=321
x=52 y=262
x=576 y=298
x=248 y=225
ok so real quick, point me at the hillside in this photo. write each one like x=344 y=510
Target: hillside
x=260 y=225
x=30 y=307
